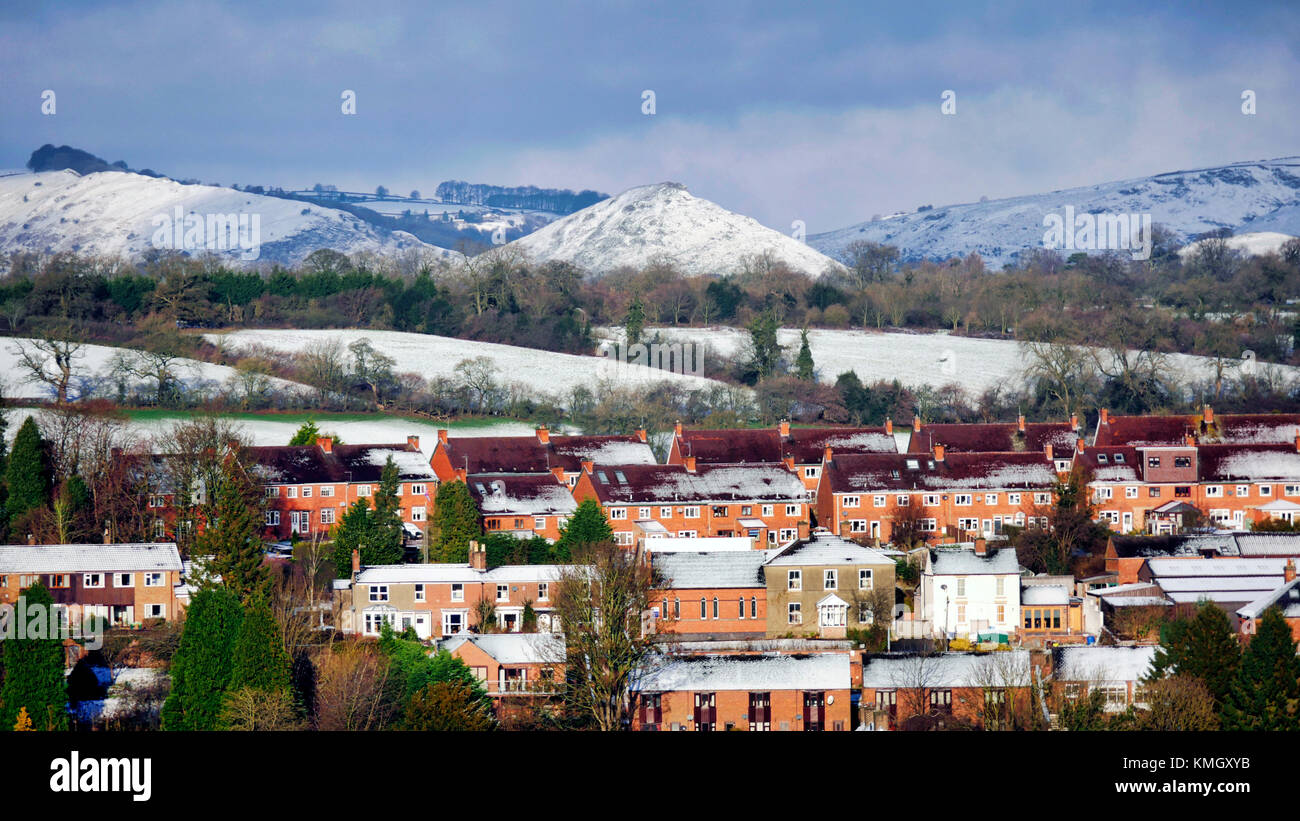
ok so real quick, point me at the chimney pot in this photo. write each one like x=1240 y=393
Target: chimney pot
x=1288 y=573
x=641 y=435
x=413 y=441
x=477 y=556
x=1074 y=421
x=1020 y=423
x=1207 y=414
x=442 y=435
x=543 y=435
x=916 y=423
x=326 y=443
x=785 y=428
x=938 y=453
x=889 y=426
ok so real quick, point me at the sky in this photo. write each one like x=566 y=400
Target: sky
x=827 y=113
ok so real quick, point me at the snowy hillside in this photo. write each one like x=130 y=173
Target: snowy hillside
x=92 y=367
x=664 y=222
x=555 y=374
x=933 y=359
x=113 y=212
x=1247 y=197
x=1256 y=244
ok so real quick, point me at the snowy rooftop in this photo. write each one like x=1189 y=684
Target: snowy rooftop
x=694 y=570
x=1044 y=594
x=826 y=549
x=1287 y=597
x=959 y=561
x=88 y=558
x=1164 y=569
x=1102 y=664
x=528 y=495
x=814 y=671
x=442 y=573
x=710 y=483
x=701 y=544
x=946 y=670
x=514 y=648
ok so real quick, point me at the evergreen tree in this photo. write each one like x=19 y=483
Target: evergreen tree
x=587 y=526
x=764 y=349
x=27 y=476
x=4 y=464
x=1202 y=647
x=351 y=533
x=634 y=322
x=260 y=661
x=203 y=664
x=233 y=536
x=33 y=669
x=386 y=533
x=306 y=434
x=804 y=362
x=1265 y=691
x=457 y=520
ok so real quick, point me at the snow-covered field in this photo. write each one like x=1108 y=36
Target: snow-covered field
x=914 y=359
x=91 y=373
x=555 y=374
x=1256 y=244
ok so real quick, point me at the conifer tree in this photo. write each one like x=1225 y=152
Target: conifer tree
x=233 y=536
x=587 y=526
x=634 y=322
x=306 y=434
x=1265 y=691
x=457 y=519
x=27 y=476
x=203 y=664
x=386 y=533
x=1202 y=647
x=33 y=668
x=260 y=661
x=804 y=362
x=352 y=533
x=4 y=464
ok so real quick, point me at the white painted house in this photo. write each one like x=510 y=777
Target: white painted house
x=969 y=590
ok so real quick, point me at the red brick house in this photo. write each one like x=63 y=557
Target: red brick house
x=1204 y=428
x=905 y=691
x=1286 y=597
x=720 y=596
x=512 y=666
x=125 y=584
x=997 y=437
x=522 y=505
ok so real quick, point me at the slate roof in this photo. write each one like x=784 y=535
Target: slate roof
x=442 y=573
x=1228 y=463
x=309 y=464
x=1245 y=545
x=539 y=494
x=514 y=648
x=1287 y=597
x=958 y=471
x=754 y=672
x=766 y=445
x=903 y=670
x=703 y=570
x=634 y=484
x=961 y=561
x=1102 y=664
x=527 y=454
x=89 y=558
x=1112 y=464
x=824 y=548
x=1227 y=428
x=995 y=437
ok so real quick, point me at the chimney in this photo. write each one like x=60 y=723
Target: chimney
x=477 y=556
x=1020 y=423
x=1079 y=444
x=938 y=453
x=827 y=455
x=588 y=466
x=1189 y=440
x=413 y=442
x=356 y=562
x=785 y=429
x=677 y=429
x=641 y=435
x=889 y=426
x=1105 y=416
x=108 y=535
x=1048 y=450
x=981 y=547
x=558 y=473
x=689 y=462
x=1207 y=415
x=462 y=474
x=442 y=435
x=326 y=443
x=916 y=423
x=31 y=538
x=543 y=435
x=1297 y=440
x=1074 y=421
x=1288 y=572
x=789 y=462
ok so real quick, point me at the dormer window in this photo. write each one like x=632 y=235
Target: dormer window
x=1102 y=459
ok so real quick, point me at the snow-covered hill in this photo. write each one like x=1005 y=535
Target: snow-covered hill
x=116 y=212
x=1246 y=197
x=1255 y=244
x=665 y=222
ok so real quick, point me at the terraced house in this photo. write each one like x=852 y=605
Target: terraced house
x=764 y=502
x=460 y=457
x=522 y=505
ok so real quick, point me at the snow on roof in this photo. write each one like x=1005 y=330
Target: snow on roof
x=1102 y=664
x=863 y=442
x=1135 y=601
x=530 y=495
x=1287 y=597
x=89 y=558
x=1268 y=544
x=1116 y=473
x=1229 y=462
x=826 y=549
x=703 y=570
x=1044 y=594
x=711 y=483
x=946 y=670
x=961 y=561
x=513 y=648
x=410 y=464
x=442 y=573
x=775 y=671
x=703 y=544
x=1170 y=568
x=1219 y=584
x=605 y=451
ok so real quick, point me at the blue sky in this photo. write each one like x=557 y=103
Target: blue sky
x=827 y=112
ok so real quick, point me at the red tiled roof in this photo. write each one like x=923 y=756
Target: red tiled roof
x=914 y=471
x=527 y=454
x=634 y=484
x=1226 y=428
x=805 y=445
x=994 y=437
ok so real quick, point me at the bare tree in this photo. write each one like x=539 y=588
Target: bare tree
x=1004 y=679
x=1063 y=370
x=322 y=365
x=51 y=361
x=352 y=692
x=915 y=678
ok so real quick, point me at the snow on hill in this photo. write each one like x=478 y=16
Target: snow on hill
x=934 y=359
x=664 y=222
x=554 y=374
x=1247 y=197
x=92 y=368
x=112 y=212
x=1255 y=244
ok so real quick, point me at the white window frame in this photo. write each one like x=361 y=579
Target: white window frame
x=963 y=499
x=378 y=592
x=866 y=578
x=457 y=591
x=691 y=512
x=794 y=580
x=794 y=510
x=851 y=501
x=879 y=500
x=92 y=580
x=618 y=513
x=830 y=579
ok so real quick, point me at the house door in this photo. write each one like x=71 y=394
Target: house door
x=299 y=521
x=875 y=530
x=1128 y=521
x=760 y=711
x=706 y=711
x=814 y=712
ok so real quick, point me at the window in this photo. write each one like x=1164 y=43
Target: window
x=157 y=501
x=272 y=518
x=379 y=592
x=452 y=623
x=715 y=607
x=1002 y=614
x=857 y=525
x=618 y=513
x=902 y=500
x=1130 y=493
x=1265 y=490
x=746 y=510
x=326 y=491
x=677 y=608
x=418 y=490
x=503 y=592
x=691 y=512
x=1153 y=461
x=1013 y=498
x=119 y=580
x=789 y=534
x=419 y=514
x=363 y=490
x=458 y=592
x=1182 y=461
x=753 y=607
x=766 y=510
x=1119 y=458
x=291 y=492
x=156 y=611
x=159 y=529
x=930 y=499
x=1104 y=493
x=878 y=500
x=928 y=525
x=1214 y=491
x=961 y=499
x=643 y=513
x=153 y=580
x=543 y=591
x=624 y=539
x=327 y=516
x=793 y=510
x=794 y=580
x=990 y=498
x=704 y=609
x=1001 y=585
x=665 y=513
x=1243 y=491
x=1154 y=492
x=965 y=525
x=92 y=580
x=852 y=501
x=719 y=510
x=961 y=614
x=740 y=607
x=1291 y=490
x=866 y=580
x=272 y=492
x=419 y=592
x=812 y=473
x=830 y=580
x=1042 y=498
x=795 y=616
x=865 y=616
x=1182 y=492
x=961 y=585
x=306 y=493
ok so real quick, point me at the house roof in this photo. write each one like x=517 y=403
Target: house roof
x=527 y=454
x=1044 y=594
x=1285 y=596
x=1229 y=463
x=824 y=548
x=1111 y=664
x=865 y=473
x=705 y=570
x=635 y=484
x=537 y=494
x=808 y=445
x=1178 y=568
x=513 y=648
x=700 y=544
x=1111 y=464
x=444 y=573
x=310 y=464
x=963 y=561
x=766 y=445
x=904 y=670
x=1227 y=428
x=1144 y=547
x=754 y=672
x=995 y=437
x=89 y=558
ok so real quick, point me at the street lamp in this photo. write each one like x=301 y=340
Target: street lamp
x=944 y=588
